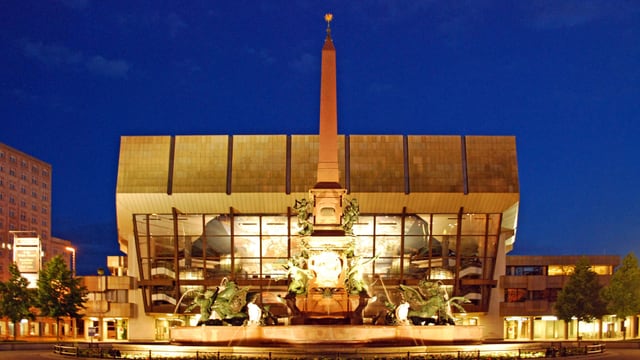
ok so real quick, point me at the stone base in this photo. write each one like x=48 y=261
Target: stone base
x=366 y=335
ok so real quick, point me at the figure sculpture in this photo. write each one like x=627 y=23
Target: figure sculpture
x=430 y=303
x=303 y=208
x=402 y=312
x=254 y=311
x=355 y=275
x=350 y=216
x=205 y=301
x=225 y=304
x=299 y=277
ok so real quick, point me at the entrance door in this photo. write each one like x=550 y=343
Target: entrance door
x=162 y=329
x=111 y=329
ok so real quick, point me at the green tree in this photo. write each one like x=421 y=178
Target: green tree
x=59 y=293
x=623 y=293
x=580 y=297
x=16 y=299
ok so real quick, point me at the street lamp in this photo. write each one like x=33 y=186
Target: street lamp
x=73 y=274
x=73 y=259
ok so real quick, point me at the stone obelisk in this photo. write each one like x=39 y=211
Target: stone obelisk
x=327 y=195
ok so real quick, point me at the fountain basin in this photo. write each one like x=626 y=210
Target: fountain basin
x=365 y=335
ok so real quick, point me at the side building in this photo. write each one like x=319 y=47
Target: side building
x=108 y=308
x=25 y=202
x=25 y=213
x=531 y=285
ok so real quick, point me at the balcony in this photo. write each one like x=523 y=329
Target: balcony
x=103 y=308
x=526 y=308
x=104 y=283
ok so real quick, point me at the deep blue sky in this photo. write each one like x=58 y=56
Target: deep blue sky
x=562 y=76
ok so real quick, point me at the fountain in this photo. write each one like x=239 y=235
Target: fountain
x=327 y=293
x=326 y=298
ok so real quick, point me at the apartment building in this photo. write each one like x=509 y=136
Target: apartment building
x=25 y=202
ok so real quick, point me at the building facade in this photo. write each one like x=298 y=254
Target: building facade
x=193 y=211
x=531 y=285
x=108 y=308
x=25 y=212
x=25 y=202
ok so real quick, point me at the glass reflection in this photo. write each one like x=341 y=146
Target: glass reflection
x=459 y=249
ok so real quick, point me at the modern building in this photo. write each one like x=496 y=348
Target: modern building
x=195 y=210
x=108 y=307
x=531 y=285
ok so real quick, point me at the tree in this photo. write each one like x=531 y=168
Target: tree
x=623 y=293
x=15 y=298
x=580 y=297
x=59 y=293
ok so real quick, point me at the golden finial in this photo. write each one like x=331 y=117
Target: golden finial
x=328 y=17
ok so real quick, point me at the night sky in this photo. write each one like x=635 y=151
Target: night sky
x=562 y=76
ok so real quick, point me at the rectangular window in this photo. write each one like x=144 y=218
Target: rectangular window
x=537 y=295
x=526 y=270
x=515 y=295
x=552 y=294
x=560 y=270
x=117 y=296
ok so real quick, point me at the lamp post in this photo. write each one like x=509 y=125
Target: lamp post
x=73 y=274
x=73 y=259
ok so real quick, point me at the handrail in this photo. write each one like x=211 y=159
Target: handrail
x=65 y=350
x=595 y=348
x=148 y=351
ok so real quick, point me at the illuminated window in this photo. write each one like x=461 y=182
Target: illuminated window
x=560 y=270
x=515 y=295
x=602 y=269
x=526 y=270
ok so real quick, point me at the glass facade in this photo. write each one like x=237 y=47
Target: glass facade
x=179 y=253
